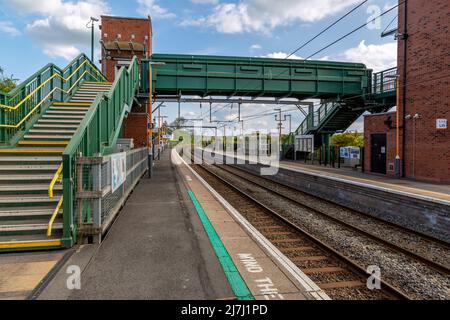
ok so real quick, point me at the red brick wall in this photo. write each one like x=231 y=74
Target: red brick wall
x=111 y=27
x=137 y=124
x=427 y=87
x=375 y=124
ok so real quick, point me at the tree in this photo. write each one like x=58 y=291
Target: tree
x=6 y=83
x=348 y=139
x=178 y=123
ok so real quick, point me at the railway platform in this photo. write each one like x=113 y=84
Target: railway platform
x=415 y=188
x=176 y=239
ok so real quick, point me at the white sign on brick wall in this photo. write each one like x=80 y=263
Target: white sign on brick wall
x=441 y=124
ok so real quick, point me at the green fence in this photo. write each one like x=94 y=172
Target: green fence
x=20 y=107
x=97 y=135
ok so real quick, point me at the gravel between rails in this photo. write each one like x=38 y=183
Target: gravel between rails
x=414 y=278
x=411 y=241
x=296 y=247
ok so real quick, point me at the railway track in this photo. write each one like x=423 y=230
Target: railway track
x=433 y=252
x=417 y=254
x=337 y=275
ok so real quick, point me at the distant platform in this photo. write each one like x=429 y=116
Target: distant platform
x=414 y=188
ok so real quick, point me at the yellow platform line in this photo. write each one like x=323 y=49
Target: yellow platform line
x=48 y=143
x=31 y=151
x=30 y=244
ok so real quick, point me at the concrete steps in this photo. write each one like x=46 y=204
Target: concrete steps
x=27 y=170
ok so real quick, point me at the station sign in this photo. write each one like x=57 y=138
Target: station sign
x=350 y=152
x=441 y=124
x=118 y=170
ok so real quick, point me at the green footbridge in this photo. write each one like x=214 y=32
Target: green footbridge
x=58 y=114
x=346 y=90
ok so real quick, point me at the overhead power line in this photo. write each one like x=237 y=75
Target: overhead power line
x=354 y=30
x=326 y=29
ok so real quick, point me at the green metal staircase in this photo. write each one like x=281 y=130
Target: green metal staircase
x=47 y=121
x=335 y=116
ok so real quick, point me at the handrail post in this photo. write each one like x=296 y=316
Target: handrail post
x=69 y=235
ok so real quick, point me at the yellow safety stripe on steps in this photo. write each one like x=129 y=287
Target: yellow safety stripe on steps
x=101 y=83
x=30 y=244
x=73 y=104
x=31 y=151
x=49 y=143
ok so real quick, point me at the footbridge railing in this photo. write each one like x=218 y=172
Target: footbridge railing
x=19 y=107
x=96 y=135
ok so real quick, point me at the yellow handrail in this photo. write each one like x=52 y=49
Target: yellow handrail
x=45 y=82
x=52 y=220
x=54 y=181
x=43 y=100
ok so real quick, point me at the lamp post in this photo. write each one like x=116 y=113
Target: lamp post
x=92 y=22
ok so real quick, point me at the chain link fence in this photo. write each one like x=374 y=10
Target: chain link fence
x=102 y=185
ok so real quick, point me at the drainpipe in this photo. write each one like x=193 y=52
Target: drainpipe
x=405 y=51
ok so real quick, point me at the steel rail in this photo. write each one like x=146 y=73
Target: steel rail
x=435 y=265
x=387 y=288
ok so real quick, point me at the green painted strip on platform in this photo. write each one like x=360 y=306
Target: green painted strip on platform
x=237 y=284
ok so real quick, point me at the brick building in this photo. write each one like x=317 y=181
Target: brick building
x=423 y=38
x=122 y=38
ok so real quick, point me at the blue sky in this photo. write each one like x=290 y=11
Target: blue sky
x=34 y=33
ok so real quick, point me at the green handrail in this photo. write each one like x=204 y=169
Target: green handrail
x=97 y=134
x=38 y=91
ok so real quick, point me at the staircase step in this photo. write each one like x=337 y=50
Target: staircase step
x=71 y=104
x=27 y=227
x=27 y=187
x=103 y=83
x=89 y=90
x=30 y=159
x=55 y=126
x=83 y=100
x=32 y=151
x=27 y=199
x=33 y=242
x=66 y=112
x=29 y=167
x=54 y=137
x=19 y=213
x=78 y=109
x=52 y=132
x=62 y=117
x=20 y=178
x=43 y=143
x=87 y=94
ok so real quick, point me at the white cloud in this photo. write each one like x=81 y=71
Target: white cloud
x=8 y=28
x=149 y=7
x=61 y=29
x=254 y=47
x=205 y=1
x=376 y=57
x=264 y=15
x=281 y=55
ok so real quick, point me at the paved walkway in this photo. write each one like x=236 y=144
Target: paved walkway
x=156 y=249
x=438 y=191
x=20 y=273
